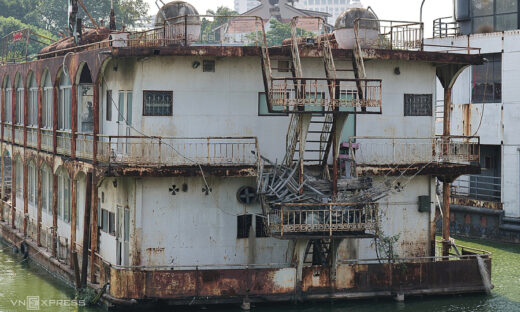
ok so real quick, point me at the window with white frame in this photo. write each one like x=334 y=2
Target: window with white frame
x=65 y=103
x=124 y=107
x=64 y=196
x=47 y=102
x=46 y=186
x=32 y=105
x=19 y=101
x=8 y=103
x=32 y=178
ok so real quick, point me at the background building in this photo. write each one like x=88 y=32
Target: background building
x=485 y=103
x=242 y=6
x=333 y=7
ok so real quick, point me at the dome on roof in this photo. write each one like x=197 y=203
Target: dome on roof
x=347 y=19
x=174 y=9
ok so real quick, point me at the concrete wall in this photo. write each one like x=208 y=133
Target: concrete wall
x=191 y=228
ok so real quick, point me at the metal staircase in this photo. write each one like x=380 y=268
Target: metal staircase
x=318 y=252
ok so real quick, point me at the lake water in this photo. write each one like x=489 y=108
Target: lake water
x=19 y=279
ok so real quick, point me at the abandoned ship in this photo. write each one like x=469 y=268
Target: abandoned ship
x=187 y=164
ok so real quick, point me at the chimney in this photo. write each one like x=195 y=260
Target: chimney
x=112 y=16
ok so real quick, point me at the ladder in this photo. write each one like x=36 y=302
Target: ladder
x=318 y=252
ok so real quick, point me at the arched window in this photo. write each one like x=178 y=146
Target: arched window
x=46 y=185
x=65 y=103
x=64 y=195
x=47 y=101
x=32 y=177
x=19 y=178
x=19 y=101
x=8 y=94
x=32 y=105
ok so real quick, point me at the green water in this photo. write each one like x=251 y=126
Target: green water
x=19 y=279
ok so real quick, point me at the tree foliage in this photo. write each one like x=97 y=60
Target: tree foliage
x=278 y=32
x=210 y=24
x=11 y=24
x=52 y=15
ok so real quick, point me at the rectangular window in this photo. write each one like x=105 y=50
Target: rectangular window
x=208 y=66
x=129 y=104
x=494 y=15
x=121 y=106
x=104 y=221
x=260 y=227
x=243 y=226
x=418 y=105
x=109 y=106
x=111 y=223
x=284 y=66
x=157 y=103
x=126 y=236
x=47 y=108
x=45 y=186
x=263 y=109
x=487 y=80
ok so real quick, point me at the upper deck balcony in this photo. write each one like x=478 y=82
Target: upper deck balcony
x=393 y=156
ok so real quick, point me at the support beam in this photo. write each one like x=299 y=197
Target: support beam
x=25 y=199
x=86 y=230
x=13 y=191
x=94 y=230
x=54 y=213
x=446 y=183
x=74 y=124
x=39 y=217
x=96 y=122
x=73 y=217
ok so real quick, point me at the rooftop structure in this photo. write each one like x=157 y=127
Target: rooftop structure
x=203 y=166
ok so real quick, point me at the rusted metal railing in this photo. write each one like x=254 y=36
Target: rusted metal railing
x=445 y=27
x=200 y=30
x=32 y=137
x=304 y=95
x=84 y=145
x=169 y=151
x=8 y=134
x=327 y=218
x=479 y=187
x=63 y=142
x=402 y=151
x=47 y=137
x=388 y=34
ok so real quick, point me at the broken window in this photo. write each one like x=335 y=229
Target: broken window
x=261 y=231
x=487 y=80
x=109 y=105
x=111 y=223
x=157 y=103
x=243 y=226
x=104 y=221
x=208 y=66
x=85 y=108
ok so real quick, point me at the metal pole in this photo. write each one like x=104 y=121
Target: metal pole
x=421 y=15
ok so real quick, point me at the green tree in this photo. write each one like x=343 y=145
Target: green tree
x=222 y=16
x=52 y=14
x=10 y=24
